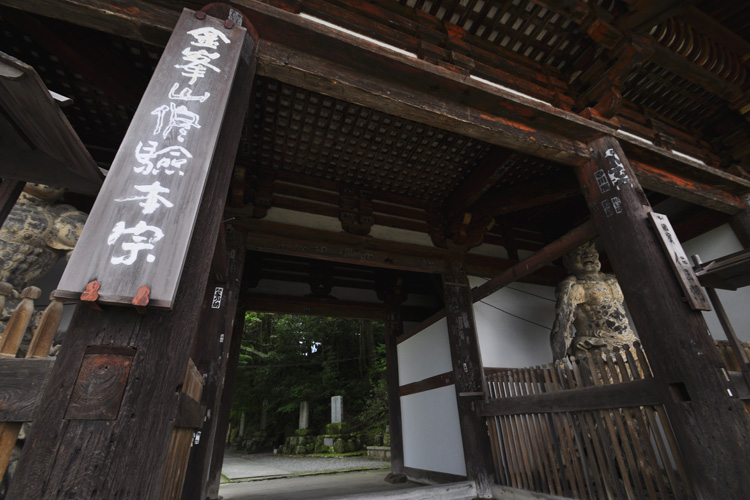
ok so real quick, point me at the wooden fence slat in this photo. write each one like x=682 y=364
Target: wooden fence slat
x=611 y=427
x=521 y=461
x=543 y=440
x=579 y=487
x=520 y=435
x=594 y=475
x=598 y=439
x=532 y=453
x=9 y=344
x=562 y=440
x=639 y=430
x=506 y=422
x=497 y=439
x=623 y=451
x=534 y=433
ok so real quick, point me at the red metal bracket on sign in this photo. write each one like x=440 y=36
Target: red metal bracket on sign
x=91 y=294
x=140 y=301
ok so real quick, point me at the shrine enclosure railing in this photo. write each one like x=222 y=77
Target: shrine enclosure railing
x=590 y=427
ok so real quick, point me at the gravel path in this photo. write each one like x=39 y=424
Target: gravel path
x=238 y=465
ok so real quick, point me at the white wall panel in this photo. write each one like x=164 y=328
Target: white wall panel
x=432 y=433
x=718 y=243
x=424 y=355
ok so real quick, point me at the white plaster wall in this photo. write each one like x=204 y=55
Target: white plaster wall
x=431 y=431
x=425 y=354
x=513 y=325
x=711 y=245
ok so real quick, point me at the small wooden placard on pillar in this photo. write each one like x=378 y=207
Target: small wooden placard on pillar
x=141 y=225
x=680 y=263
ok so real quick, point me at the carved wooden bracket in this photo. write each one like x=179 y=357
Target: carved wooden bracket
x=356 y=211
x=261 y=194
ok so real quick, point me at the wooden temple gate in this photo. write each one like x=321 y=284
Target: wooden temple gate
x=456 y=96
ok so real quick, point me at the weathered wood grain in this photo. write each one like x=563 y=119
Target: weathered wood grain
x=682 y=354
x=428 y=384
x=222 y=425
x=21 y=382
x=570 y=241
x=184 y=133
x=47 y=135
x=468 y=374
x=85 y=459
x=211 y=354
x=100 y=385
x=394 y=327
x=635 y=393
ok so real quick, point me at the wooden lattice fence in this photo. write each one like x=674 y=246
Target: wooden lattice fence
x=591 y=427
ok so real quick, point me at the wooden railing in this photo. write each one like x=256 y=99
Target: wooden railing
x=21 y=379
x=592 y=427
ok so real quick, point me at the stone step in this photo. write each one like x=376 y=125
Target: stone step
x=454 y=491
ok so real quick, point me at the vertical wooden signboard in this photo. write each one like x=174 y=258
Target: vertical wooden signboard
x=141 y=224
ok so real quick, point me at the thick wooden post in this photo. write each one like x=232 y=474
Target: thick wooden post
x=394 y=327
x=740 y=223
x=469 y=375
x=112 y=399
x=222 y=425
x=211 y=353
x=711 y=427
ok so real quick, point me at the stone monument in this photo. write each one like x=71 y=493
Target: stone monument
x=590 y=313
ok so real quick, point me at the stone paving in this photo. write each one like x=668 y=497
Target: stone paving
x=239 y=466
x=278 y=477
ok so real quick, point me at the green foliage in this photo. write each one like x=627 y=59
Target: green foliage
x=339 y=428
x=287 y=359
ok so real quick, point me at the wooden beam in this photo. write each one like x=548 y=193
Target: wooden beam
x=80 y=53
x=285 y=239
x=529 y=195
x=222 y=427
x=428 y=384
x=21 y=384
x=42 y=129
x=570 y=241
x=740 y=223
x=644 y=392
x=314 y=306
x=651 y=13
x=706 y=195
x=298 y=51
x=211 y=354
x=468 y=373
x=394 y=327
x=711 y=428
x=133 y=19
x=479 y=181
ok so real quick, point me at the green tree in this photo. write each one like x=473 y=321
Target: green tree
x=286 y=359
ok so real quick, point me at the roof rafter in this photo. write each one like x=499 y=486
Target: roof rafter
x=301 y=52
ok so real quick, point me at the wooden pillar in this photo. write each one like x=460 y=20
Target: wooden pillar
x=741 y=224
x=211 y=354
x=112 y=398
x=712 y=429
x=10 y=190
x=222 y=425
x=394 y=327
x=469 y=375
